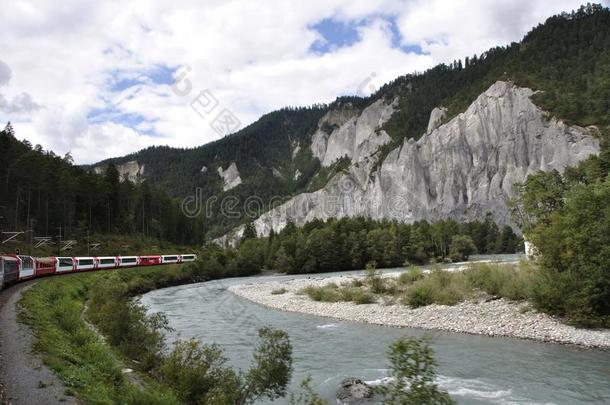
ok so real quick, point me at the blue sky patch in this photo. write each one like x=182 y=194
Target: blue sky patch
x=336 y=34
x=111 y=114
x=397 y=39
x=120 y=79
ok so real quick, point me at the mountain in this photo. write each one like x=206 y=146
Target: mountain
x=448 y=142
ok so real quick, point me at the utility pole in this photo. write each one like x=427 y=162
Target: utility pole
x=30 y=236
x=59 y=242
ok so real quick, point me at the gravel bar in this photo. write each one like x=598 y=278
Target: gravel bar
x=498 y=317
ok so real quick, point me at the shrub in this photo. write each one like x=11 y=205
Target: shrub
x=438 y=287
x=462 y=246
x=279 y=291
x=356 y=295
x=419 y=296
x=374 y=279
x=411 y=275
x=197 y=373
x=413 y=371
x=324 y=294
x=504 y=280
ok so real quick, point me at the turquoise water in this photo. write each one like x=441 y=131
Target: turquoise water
x=474 y=369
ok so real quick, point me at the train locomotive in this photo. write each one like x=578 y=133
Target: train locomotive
x=16 y=268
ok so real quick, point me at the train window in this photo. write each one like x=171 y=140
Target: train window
x=128 y=260
x=10 y=266
x=170 y=258
x=187 y=257
x=85 y=262
x=65 y=262
x=107 y=261
x=27 y=261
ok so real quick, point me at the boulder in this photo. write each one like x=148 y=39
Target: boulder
x=353 y=390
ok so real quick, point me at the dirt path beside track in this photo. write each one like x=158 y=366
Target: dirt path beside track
x=24 y=379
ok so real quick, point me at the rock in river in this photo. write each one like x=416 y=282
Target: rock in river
x=353 y=390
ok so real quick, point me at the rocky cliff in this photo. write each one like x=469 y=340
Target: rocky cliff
x=461 y=169
x=128 y=171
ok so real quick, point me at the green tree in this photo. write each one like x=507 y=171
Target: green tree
x=272 y=368
x=249 y=232
x=413 y=370
x=462 y=247
x=574 y=256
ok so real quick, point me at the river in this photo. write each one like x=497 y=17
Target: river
x=474 y=369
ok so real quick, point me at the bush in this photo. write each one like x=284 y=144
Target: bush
x=419 y=296
x=136 y=334
x=462 y=246
x=503 y=280
x=325 y=293
x=413 y=371
x=410 y=276
x=438 y=287
x=198 y=374
x=356 y=295
x=279 y=291
x=374 y=279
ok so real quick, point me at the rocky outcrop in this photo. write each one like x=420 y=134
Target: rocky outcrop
x=129 y=171
x=462 y=169
x=344 y=133
x=436 y=117
x=230 y=177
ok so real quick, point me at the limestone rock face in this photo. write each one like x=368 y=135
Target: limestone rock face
x=230 y=177
x=354 y=136
x=462 y=169
x=436 y=117
x=129 y=171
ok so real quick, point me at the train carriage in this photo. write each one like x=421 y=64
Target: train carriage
x=65 y=264
x=128 y=261
x=107 y=262
x=45 y=266
x=9 y=268
x=189 y=258
x=169 y=259
x=27 y=267
x=150 y=260
x=84 y=263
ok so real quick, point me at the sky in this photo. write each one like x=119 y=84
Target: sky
x=102 y=79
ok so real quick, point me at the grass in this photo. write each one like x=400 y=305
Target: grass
x=333 y=293
x=415 y=288
x=87 y=366
x=279 y=291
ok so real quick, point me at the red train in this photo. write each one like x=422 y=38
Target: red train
x=15 y=268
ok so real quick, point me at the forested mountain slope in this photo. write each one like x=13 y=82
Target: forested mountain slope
x=49 y=196
x=561 y=68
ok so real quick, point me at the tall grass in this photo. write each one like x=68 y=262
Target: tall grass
x=438 y=287
x=333 y=293
x=416 y=288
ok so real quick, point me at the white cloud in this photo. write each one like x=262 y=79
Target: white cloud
x=254 y=56
x=5 y=74
x=451 y=30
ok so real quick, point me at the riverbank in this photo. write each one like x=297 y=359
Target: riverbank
x=494 y=317
x=50 y=354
